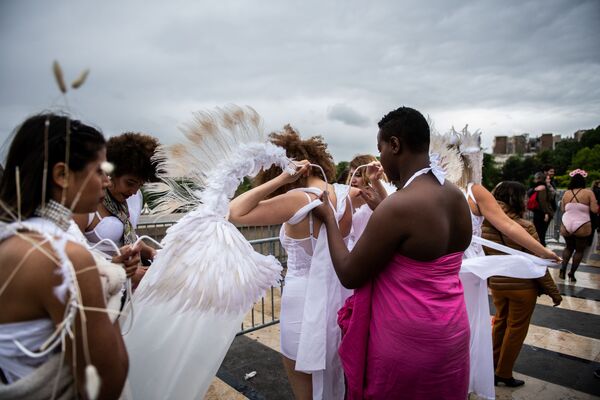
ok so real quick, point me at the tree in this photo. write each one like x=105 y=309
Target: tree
x=491 y=175
x=591 y=138
x=587 y=159
x=563 y=154
x=520 y=169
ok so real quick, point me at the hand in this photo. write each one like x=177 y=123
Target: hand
x=374 y=171
x=323 y=212
x=130 y=258
x=550 y=255
x=546 y=217
x=302 y=169
x=137 y=277
x=370 y=196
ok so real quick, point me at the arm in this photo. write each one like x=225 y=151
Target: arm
x=374 y=249
x=251 y=208
x=593 y=202
x=104 y=340
x=493 y=213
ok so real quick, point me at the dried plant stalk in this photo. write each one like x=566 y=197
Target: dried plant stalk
x=18 y=183
x=45 y=174
x=58 y=75
x=80 y=79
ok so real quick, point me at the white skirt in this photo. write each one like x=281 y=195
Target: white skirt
x=292 y=310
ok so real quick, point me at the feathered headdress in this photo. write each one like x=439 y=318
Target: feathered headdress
x=206 y=263
x=468 y=145
x=450 y=159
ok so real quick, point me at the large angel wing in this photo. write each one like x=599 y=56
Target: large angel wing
x=205 y=263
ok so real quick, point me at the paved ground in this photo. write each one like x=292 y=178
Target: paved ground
x=557 y=361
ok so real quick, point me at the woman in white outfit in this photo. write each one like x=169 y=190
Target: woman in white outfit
x=48 y=279
x=312 y=293
x=484 y=206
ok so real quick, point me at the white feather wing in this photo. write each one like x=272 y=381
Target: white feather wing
x=206 y=263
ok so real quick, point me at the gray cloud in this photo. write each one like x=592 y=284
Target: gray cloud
x=347 y=115
x=504 y=67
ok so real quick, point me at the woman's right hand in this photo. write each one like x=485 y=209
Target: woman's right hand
x=130 y=258
x=374 y=171
x=302 y=169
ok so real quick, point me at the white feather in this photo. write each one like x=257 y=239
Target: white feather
x=92 y=382
x=206 y=263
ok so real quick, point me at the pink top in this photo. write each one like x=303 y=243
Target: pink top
x=407 y=332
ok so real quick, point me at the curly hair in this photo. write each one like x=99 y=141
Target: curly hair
x=131 y=153
x=313 y=149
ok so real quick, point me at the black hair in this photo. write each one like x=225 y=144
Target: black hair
x=512 y=194
x=27 y=153
x=547 y=168
x=577 y=182
x=407 y=124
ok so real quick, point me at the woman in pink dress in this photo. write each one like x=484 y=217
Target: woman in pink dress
x=405 y=330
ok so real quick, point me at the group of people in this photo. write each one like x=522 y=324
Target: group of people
x=385 y=291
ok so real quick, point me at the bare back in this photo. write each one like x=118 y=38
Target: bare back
x=437 y=220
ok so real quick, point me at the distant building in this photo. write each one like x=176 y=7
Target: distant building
x=500 y=145
x=546 y=142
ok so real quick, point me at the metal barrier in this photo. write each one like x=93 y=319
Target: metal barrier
x=263 y=239
x=266 y=311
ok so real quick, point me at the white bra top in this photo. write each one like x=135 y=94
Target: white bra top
x=110 y=227
x=300 y=251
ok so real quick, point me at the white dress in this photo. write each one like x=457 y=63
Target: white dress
x=475 y=271
x=311 y=298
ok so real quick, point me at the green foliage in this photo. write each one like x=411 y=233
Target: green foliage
x=563 y=154
x=491 y=174
x=340 y=169
x=244 y=187
x=562 y=181
x=520 y=169
x=587 y=159
x=591 y=138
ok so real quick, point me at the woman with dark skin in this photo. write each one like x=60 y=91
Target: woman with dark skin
x=397 y=237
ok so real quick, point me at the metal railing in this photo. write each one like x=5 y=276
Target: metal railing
x=264 y=240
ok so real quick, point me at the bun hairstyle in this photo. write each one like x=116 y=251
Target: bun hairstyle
x=313 y=149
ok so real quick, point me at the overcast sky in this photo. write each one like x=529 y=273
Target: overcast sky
x=327 y=67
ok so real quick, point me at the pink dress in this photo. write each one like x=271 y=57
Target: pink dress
x=406 y=333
